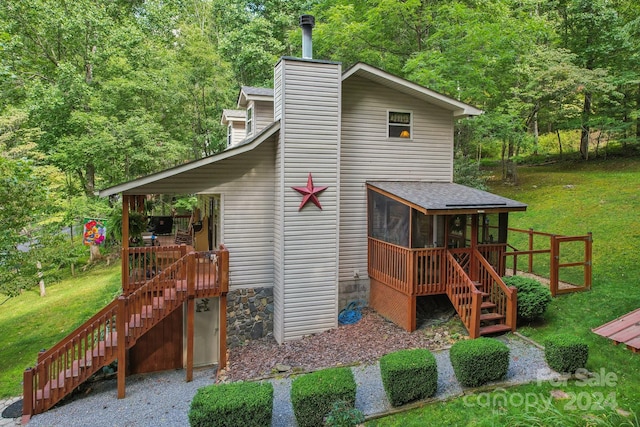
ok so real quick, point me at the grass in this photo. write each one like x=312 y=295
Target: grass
x=571 y=199
x=30 y=323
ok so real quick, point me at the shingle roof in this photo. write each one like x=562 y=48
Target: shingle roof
x=436 y=197
x=257 y=91
x=234 y=113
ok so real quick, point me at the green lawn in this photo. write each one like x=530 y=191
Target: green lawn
x=571 y=199
x=28 y=324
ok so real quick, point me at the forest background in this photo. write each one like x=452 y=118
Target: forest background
x=95 y=93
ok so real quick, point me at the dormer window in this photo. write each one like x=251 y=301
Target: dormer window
x=229 y=130
x=399 y=124
x=249 y=120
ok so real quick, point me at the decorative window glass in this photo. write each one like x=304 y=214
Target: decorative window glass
x=229 y=129
x=399 y=124
x=249 y=121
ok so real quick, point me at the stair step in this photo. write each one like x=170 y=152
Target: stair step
x=491 y=316
x=146 y=312
x=169 y=294
x=494 y=329
x=486 y=305
x=158 y=303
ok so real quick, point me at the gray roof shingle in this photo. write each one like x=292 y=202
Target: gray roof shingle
x=444 y=196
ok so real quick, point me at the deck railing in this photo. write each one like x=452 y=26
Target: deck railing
x=106 y=336
x=418 y=271
x=504 y=297
x=146 y=262
x=71 y=361
x=552 y=263
x=429 y=270
x=465 y=297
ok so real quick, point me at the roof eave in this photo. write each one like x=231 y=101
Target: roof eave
x=232 y=151
x=458 y=108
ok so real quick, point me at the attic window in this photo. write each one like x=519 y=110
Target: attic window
x=249 y=121
x=399 y=124
x=229 y=128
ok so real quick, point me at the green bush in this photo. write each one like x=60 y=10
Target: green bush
x=237 y=404
x=566 y=353
x=409 y=375
x=343 y=415
x=533 y=298
x=312 y=395
x=476 y=362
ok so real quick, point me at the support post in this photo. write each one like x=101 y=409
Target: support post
x=122 y=345
x=512 y=308
x=530 y=249
x=27 y=395
x=474 y=325
x=554 y=264
x=222 y=357
x=588 y=264
x=191 y=278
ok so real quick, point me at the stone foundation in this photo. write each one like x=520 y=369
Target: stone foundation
x=353 y=290
x=249 y=315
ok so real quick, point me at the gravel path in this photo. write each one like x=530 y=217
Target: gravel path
x=163 y=399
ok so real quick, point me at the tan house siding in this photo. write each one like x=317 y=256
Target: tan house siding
x=262 y=115
x=310 y=123
x=238 y=132
x=367 y=154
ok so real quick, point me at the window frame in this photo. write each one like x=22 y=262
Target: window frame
x=250 y=120
x=409 y=126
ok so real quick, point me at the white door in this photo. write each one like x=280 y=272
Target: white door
x=205 y=334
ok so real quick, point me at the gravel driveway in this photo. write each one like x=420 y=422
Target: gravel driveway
x=163 y=399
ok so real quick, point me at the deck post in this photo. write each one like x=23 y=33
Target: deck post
x=530 y=249
x=27 y=394
x=588 y=247
x=474 y=325
x=191 y=293
x=122 y=344
x=554 y=264
x=222 y=358
x=512 y=308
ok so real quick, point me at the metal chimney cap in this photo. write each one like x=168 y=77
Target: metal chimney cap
x=307 y=20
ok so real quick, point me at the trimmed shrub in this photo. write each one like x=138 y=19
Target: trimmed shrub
x=236 y=404
x=566 y=353
x=533 y=297
x=409 y=375
x=312 y=395
x=476 y=362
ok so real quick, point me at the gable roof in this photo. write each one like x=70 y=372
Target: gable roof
x=250 y=93
x=459 y=109
x=232 y=115
x=243 y=147
x=444 y=197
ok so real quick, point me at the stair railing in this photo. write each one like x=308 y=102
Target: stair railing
x=504 y=297
x=465 y=297
x=153 y=301
x=83 y=352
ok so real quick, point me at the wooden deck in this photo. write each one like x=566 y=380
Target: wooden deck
x=623 y=330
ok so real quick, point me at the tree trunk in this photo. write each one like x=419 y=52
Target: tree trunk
x=94 y=253
x=638 y=119
x=536 y=134
x=89 y=180
x=43 y=291
x=559 y=143
x=584 y=137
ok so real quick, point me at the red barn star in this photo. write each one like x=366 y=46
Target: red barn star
x=310 y=193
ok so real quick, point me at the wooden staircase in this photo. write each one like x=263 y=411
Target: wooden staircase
x=486 y=306
x=106 y=336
